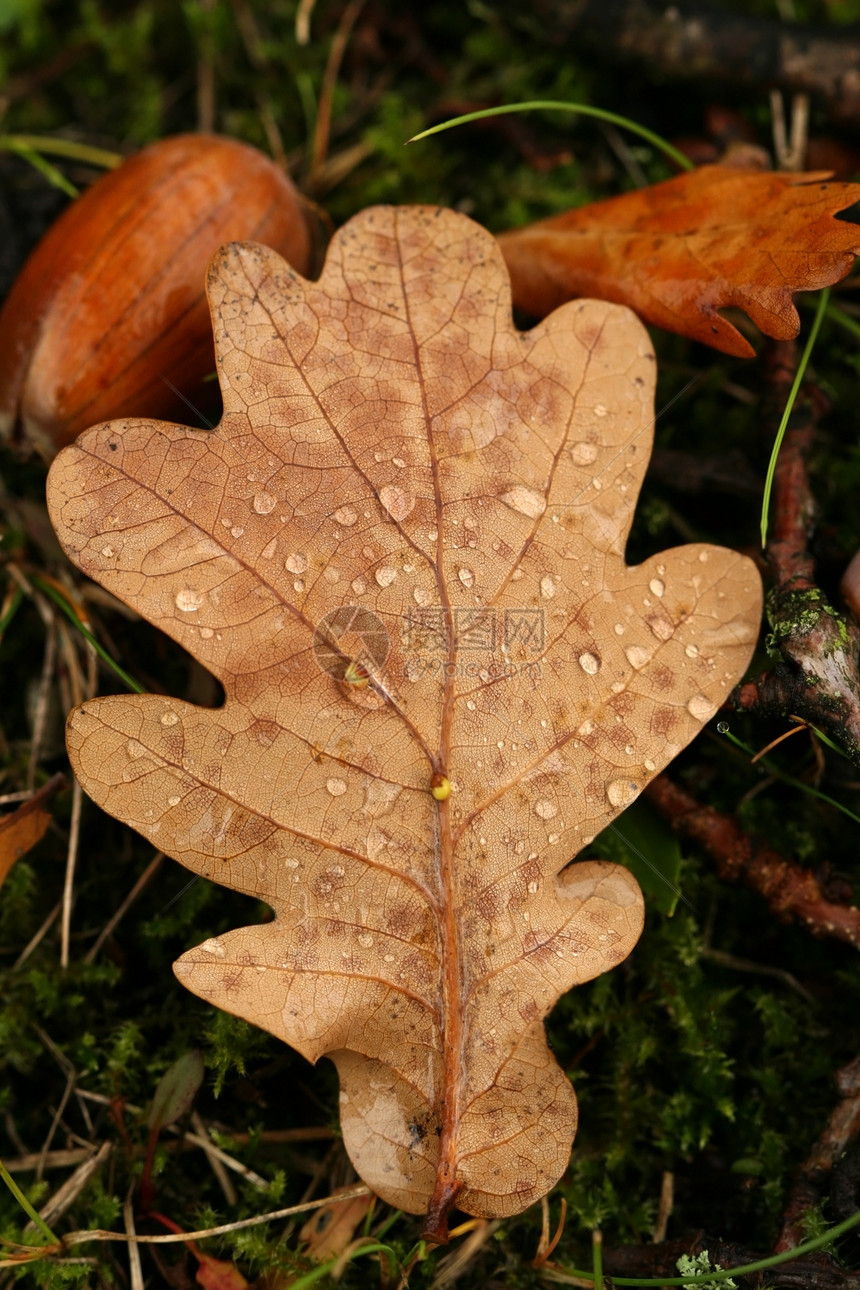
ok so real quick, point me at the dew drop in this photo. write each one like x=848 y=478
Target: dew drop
x=636 y=656
x=621 y=792
x=471 y=705
x=600 y=409
x=398 y=503
x=583 y=454
x=331 y=574
x=173 y=801
x=169 y=718
x=135 y=749
x=237 y=530
x=359 y=586
x=337 y=787
x=544 y=809
x=701 y=708
x=534 y=888
x=366 y=940
x=206 y=633
x=527 y=501
x=657 y=586
x=589 y=663
x=547 y=587
x=421 y=596
x=299 y=585
x=346 y=516
x=189 y=601
x=296 y=563
x=432 y=535
x=264 y=503
x=108 y=551
x=466 y=576
x=386 y=575
x=692 y=651
x=649 y=764
x=268 y=551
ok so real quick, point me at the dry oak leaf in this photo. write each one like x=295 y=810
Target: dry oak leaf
x=398 y=469
x=679 y=251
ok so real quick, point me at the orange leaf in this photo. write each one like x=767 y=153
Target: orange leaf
x=218 y=1274
x=679 y=251
x=20 y=830
x=402 y=553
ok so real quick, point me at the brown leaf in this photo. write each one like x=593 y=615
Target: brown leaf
x=402 y=554
x=21 y=829
x=679 y=251
x=330 y=1230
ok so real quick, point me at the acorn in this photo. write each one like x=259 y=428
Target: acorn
x=108 y=318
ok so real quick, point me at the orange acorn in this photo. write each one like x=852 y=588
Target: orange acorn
x=109 y=312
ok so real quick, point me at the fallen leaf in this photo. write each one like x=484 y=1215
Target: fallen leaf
x=21 y=829
x=330 y=1230
x=679 y=251
x=176 y=1091
x=218 y=1274
x=401 y=552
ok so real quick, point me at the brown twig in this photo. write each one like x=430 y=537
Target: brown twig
x=813 y=1177
x=701 y=41
x=818 y=647
x=322 y=129
x=790 y=890
x=148 y=873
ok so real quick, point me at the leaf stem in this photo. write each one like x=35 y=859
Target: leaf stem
x=557 y=105
x=820 y=311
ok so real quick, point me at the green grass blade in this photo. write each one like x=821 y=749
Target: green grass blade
x=88 y=636
x=54 y=176
x=795 y=386
x=70 y=148
x=17 y=598
x=557 y=105
x=774 y=770
x=25 y=1204
x=746 y=1269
